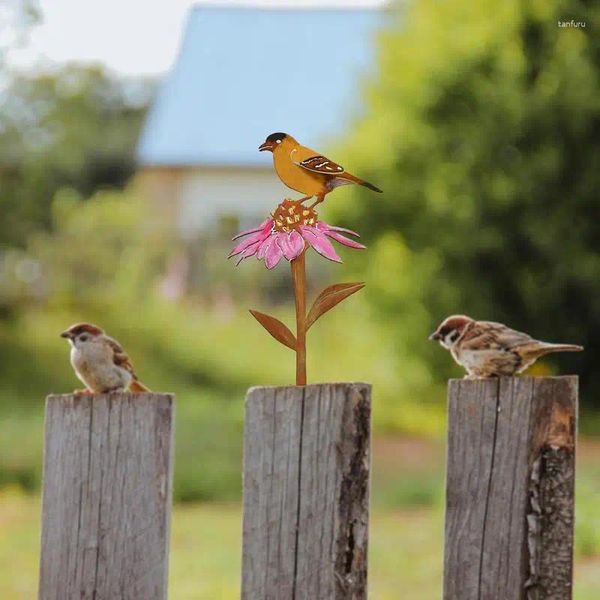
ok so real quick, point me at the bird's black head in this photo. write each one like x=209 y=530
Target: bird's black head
x=273 y=141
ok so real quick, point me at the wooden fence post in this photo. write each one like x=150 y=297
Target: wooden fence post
x=510 y=489
x=306 y=492
x=106 y=497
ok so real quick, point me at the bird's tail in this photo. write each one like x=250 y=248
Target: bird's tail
x=371 y=187
x=137 y=387
x=543 y=348
x=362 y=182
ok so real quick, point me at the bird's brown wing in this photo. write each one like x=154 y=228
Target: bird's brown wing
x=321 y=164
x=487 y=334
x=120 y=357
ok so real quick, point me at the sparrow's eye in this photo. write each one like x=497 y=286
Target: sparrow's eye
x=278 y=141
x=84 y=337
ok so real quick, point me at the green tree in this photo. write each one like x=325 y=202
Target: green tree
x=483 y=130
x=75 y=127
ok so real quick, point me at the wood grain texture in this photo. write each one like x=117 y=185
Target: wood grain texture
x=306 y=492
x=510 y=489
x=106 y=497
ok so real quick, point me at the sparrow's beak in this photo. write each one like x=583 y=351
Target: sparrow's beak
x=265 y=146
x=65 y=334
x=435 y=336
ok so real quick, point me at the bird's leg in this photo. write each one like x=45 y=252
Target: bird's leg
x=319 y=199
x=83 y=392
x=305 y=198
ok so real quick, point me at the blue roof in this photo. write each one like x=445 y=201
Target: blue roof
x=243 y=73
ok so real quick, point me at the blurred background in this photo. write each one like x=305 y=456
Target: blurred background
x=128 y=159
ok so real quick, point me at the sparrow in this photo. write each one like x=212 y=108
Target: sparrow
x=488 y=349
x=305 y=170
x=100 y=362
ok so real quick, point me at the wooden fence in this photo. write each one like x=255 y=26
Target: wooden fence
x=306 y=488
x=510 y=489
x=509 y=493
x=106 y=497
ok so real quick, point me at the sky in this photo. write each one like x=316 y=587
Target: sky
x=131 y=37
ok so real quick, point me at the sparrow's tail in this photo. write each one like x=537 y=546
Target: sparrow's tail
x=361 y=182
x=137 y=387
x=543 y=348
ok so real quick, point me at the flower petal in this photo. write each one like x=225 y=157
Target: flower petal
x=253 y=239
x=248 y=252
x=274 y=254
x=267 y=224
x=320 y=243
x=324 y=227
x=344 y=240
x=262 y=249
x=292 y=245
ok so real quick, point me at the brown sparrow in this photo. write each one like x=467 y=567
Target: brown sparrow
x=100 y=362
x=488 y=349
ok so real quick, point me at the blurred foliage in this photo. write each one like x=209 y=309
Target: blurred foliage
x=73 y=127
x=482 y=128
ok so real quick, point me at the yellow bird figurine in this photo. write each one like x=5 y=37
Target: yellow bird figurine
x=307 y=171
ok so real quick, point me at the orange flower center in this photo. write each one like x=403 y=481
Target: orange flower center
x=291 y=214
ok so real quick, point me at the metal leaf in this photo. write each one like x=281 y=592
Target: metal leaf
x=329 y=298
x=276 y=328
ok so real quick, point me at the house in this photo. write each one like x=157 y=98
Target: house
x=241 y=74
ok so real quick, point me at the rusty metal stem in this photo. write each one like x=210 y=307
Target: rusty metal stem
x=299 y=279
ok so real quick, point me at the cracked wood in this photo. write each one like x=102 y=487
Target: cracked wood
x=106 y=497
x=306 y=484
x=510 y=489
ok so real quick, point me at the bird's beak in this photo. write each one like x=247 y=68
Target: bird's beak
x=435 y=336
x=65 y=334
x=265 y=146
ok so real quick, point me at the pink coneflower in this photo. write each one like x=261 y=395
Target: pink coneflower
x=287 y=232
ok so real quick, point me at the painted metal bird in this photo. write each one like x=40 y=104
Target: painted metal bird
x=307 y=171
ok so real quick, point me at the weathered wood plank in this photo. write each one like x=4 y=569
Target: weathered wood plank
x=510 y=489
x=106 y=497
x=271 y=467
x=469 y=464
x=306 y=484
